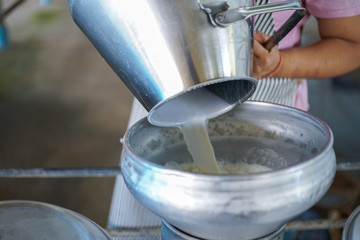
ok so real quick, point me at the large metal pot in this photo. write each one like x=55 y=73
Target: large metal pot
x=296 y=144
x=163 y=48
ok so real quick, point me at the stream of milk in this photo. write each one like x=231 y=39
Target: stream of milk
x=199 y=145
x=196 y=108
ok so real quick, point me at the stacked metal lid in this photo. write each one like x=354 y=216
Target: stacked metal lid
x=352 y=227
x=35 y=220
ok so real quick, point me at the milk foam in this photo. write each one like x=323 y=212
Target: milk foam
x=223 y=166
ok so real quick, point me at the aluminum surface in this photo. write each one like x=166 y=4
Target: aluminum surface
x=163 y=48
x=351 y=230
x=36 y=220
x=232 y=206
x=169 y=232
x=223 y=17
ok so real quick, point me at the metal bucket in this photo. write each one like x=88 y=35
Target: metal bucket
x=35 y=220
x=352 y=226
x=164 y=48
x=227 y=207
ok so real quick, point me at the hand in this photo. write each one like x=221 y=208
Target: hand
x=264 y=62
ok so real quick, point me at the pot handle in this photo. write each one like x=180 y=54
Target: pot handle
x=220 y=16
x=285 y=29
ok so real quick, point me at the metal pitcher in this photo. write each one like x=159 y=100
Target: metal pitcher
x=164 y=48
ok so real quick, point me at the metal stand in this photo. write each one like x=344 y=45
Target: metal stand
x=169 y=232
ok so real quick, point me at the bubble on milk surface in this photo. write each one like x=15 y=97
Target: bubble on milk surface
x=224 y=166
x=266 y=157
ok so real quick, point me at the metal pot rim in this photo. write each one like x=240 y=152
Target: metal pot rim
x=349 y=225
x=86 y=227
x=235 y=177
x=151 y=117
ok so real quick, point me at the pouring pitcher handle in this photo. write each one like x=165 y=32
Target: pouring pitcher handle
x=285 y=29
x=225 y=18
x=220 y=16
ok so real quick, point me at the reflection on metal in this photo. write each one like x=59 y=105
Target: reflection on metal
x=102 y=171
x=348 y=166
x=59 y=172
x=308 y=225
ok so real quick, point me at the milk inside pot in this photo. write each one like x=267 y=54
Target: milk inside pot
x=234 y=155
x=191 y=112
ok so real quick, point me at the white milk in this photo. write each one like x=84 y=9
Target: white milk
x=191 y=112
x=199 y=145
x=200 y=103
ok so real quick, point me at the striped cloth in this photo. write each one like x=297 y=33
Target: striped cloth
x=275 y=90
x=125 y=211
x=264 y=22
x=144 y=237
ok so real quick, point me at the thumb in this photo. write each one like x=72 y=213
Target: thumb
x=259 y=49
x=261 y=37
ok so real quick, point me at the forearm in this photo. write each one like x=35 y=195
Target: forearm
x=328 y=58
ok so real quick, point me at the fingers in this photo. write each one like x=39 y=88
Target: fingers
x=264 y=61
x=259 y=49
x=261 y=37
